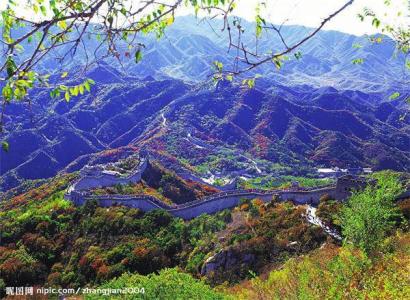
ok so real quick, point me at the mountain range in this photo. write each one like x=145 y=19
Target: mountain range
x=321 y=110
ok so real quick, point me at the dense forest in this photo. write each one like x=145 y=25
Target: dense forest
x=257 y=250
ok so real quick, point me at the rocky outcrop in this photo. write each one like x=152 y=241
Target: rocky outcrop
x=227 y=260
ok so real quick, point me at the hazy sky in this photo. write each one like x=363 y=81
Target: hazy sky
x=312 y=12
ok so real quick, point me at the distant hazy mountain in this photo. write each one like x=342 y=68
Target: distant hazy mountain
x=190 y=46
x=321 y=110
x=189 y=49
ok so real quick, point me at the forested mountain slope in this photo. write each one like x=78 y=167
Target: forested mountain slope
x=319 y=110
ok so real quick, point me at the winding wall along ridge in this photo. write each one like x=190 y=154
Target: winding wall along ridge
x=78 y=194
x=209 y=205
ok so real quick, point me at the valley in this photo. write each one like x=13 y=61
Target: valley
x=285 y=136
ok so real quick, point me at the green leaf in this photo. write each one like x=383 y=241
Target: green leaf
x=358 y=61
x=43 y=10
x=123 y=11
x=249 y=82
x=19 y=48
x=67 y=96
x=5 y=146
x=278 y=63
x=64 y=75
x=74 y=91
x=376 y=22
x=62 y=25
x=7 y=93
x=298 y=55
x=138 y=56
x=10 y=67
x=218 y=65
x=55 y=93
x=394 y=96
x=35 y=8
x=87 y=86
x=258 y=30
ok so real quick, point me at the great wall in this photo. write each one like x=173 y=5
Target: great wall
x=78 y=193
x=94 y=178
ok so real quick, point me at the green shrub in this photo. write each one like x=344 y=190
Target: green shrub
x=371 y=214
x=168 y=284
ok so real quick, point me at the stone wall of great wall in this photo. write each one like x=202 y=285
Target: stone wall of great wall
x=208 y=205
x=78 y=194
x=87 y=182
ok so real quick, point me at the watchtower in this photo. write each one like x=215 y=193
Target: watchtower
x=348 y=183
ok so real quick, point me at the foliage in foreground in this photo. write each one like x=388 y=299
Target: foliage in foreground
x=50 y=242
x=47 y=241
x=168 y=284
x=337 y=273
x=373 y=264
x=370 y=215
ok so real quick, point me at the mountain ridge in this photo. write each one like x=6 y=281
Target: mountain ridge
x=284 y=120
